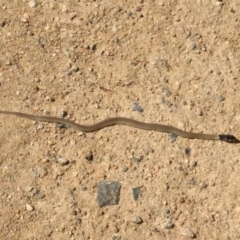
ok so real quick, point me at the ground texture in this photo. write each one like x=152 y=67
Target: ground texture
x=170 y=62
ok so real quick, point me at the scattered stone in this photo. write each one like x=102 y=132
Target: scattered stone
x=192 y=182
x=92 y=47
x=219 y=3
x=194 y=164
x=168 y=224
x=73 y=15
x=138 y=9
x=74 y=68
x=188 y=151
x=63 y=114
x=108 y=193
x=165 y=80
x=29 y=207
x=89 y=156
x=50 y=99
x=167 y=91
x=191 y=103
x=168 y=103
x=173 y=137
x=186 y=232
x=137 y=107
x=62 y=125
x=29 y=188
x=32 y=3
x=136 y=193
x=34 y=191
x=138 y=159
x=167 y=213
x=124 y=168
x=137 y=220
x=8 y=62
x=197 y=35
x=134 y=63
x=221 y=98
x=62 y=161
x=193 y=46
x=199 y=112
x=182 y=199
x=204 y=185
x=116 y=237
x=40 y=195
x=151 y=150
x=25 y=18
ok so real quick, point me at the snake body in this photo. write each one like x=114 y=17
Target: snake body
x=126 y=121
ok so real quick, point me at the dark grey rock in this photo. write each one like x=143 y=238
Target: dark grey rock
x=173 y=137
x=136 y=193
x=167 y=91
x=221 y=98
x=116 y=237
x=89 y=156
x=108 y=193
x=187 y=151
x=137 y=107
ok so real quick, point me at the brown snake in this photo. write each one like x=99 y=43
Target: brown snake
x=126 y=121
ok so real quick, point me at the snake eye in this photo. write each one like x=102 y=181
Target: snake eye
x=228 y=138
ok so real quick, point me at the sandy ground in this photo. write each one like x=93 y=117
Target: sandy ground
x=177 y=60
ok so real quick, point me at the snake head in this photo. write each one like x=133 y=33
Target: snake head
x=228 y=138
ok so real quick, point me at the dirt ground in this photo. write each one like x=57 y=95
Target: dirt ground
x=177 y=61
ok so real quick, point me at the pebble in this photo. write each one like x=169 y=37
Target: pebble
x=219 y=3
x=40 y=195
x=204 y=185
x=124 y=168
x=168 y=224
x=167 y=213
x=116 y=237
x=194 y=164
x=32 y=3
x=193 y=46
x=173 y=137
x=166 y=80
x=62 y=161
x=29 y=207
x=72 y=15
x=89 y=156
x=221 y=98
x=167 y=91
x=192 y=182
x=187 y=151
x=108 y=193
x=186 y=232
x=25 y=18
x=136 y=193
x=137 y=107
x=199 y=112
x=29 y=188
x=63 y=113
x=136 y=219
x=138 y=159
x=168 y=103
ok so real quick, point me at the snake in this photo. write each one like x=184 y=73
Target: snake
x=126 y=121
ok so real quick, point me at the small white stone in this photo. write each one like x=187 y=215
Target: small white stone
x=186 y=232
x=29 y=207
x=32 y=3
x=136 y=219
x=62 y=161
